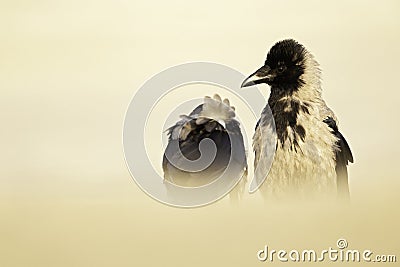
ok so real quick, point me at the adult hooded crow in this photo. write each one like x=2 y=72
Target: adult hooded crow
x=311 y=154
x=187 y=163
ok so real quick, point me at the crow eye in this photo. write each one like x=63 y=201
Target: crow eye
x=281 y=69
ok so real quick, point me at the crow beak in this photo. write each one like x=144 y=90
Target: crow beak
x=262 y=75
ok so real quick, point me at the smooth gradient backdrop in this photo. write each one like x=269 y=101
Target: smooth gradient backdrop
x=68 y=70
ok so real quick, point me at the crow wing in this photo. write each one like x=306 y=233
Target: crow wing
x=264 y=146
x=343 y=157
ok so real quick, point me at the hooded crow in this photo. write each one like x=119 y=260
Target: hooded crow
x=214 y=120
x=311 y=154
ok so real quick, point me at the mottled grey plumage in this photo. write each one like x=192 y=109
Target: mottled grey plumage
x=311 y=154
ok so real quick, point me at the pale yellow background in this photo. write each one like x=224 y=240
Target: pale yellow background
x=68 y=70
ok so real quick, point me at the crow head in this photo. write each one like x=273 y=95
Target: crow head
x=284 y=68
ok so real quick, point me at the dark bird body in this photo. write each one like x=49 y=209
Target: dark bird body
x=214 y=120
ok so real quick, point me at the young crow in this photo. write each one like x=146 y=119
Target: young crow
x=311 y=154
x=187 y=163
